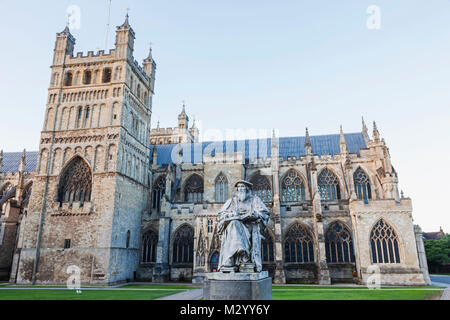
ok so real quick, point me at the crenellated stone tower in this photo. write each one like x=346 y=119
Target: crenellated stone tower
x=92 y=177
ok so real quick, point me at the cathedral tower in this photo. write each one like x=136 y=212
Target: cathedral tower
x=92 y=176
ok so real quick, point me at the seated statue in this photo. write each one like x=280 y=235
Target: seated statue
x=240 y=222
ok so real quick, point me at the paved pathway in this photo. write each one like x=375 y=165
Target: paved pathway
x=195 y=294
x=442 y=281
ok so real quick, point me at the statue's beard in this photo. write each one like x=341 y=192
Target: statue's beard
x=242 y=195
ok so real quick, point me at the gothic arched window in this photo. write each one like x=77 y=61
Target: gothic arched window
x=339 y=244
x=159 y=189
x=193 y=189
x=267 y=253
x=298 y=245
x=328 y=185
x=214 y=262
x=384 y=243
x=221 y=186
x=292 y=187
x=106 y=77
x=76 y=182
x=87 y=77
x=183 y=245
x=68 y=79
x=149 y=244
x=261 y=187
x=362 y=185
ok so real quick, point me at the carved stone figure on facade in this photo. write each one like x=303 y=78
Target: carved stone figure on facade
x=240 y=222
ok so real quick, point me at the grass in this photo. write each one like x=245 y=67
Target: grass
x=349 y=288
x=127 y=286
x=279 y=293
x=440 y=274
x=356 y=295
x=24 y=294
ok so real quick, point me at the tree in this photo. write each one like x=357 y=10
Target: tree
x=438 y=252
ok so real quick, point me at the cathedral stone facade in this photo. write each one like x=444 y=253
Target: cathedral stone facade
x=122 y=201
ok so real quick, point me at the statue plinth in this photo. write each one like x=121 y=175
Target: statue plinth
x=239 y=222
x=237 y=286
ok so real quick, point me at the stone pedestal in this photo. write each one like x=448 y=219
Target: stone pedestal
x=237 y=286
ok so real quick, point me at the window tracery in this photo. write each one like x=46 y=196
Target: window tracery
x=362 y=185
x=193 y=190
x=384 y=243
x=183 y=245
x=292 y=187
x=339 y=244
x=76 y=182
x=328 y=185
x=221 y=188
x=298 y=245
x=261 y=187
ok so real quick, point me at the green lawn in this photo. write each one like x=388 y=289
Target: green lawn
x=350 y=288
x=355 y=294
x=24 y=294
x=279 y=293
x=127 y=286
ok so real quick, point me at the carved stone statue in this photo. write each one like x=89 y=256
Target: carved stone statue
x=240 y=222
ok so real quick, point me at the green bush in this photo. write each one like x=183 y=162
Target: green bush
x=438 y=252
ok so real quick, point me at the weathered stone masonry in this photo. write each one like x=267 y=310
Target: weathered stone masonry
x=105 y=193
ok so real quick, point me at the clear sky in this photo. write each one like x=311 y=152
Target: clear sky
x=263 y=64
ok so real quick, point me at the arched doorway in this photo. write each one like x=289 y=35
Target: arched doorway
x=214 y=262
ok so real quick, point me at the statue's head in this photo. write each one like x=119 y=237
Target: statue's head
x=242 y=189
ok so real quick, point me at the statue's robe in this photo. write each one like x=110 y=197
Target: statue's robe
x=241 y=239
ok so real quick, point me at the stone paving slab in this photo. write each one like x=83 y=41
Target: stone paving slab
x=446 y=294
x=195 y=294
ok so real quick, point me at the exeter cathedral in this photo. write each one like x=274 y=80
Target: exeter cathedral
x=124 y=202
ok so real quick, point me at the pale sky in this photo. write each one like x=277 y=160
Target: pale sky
x=263 y=64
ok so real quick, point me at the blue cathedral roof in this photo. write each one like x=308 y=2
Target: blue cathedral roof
x=11 y=161
x=261 y=148
x=252 y=148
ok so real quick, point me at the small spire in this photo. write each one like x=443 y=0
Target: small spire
x=193 y=122
x=66 y=29
x=274 y=139
x=341 y=135
x=1 y=160
x=308 y=143
x=307 y=139
x=23 y=162
x=402 y=195
x=126 y=23
x=364 y=127
x=342 y=142
x=364 y=130
x=183 y=112
x=149 y=57
x=157 y=125
x=376 y=134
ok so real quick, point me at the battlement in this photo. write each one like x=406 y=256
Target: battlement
x=169 y=130
x=137 y=65
x=90 y=56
